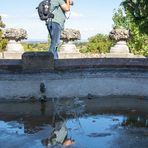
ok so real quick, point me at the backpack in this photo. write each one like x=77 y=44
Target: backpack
x=44 y=10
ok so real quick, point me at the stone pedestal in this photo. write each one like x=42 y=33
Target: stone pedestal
x=69 y=48
x=1 y=55
x=120 y=47
x=12 y=55
x=120 y=50
x=14 y=50
x=14 y=46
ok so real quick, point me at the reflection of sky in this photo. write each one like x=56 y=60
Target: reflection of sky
x=12 y=135
x=12 y=127
x=91 y=131
x=79 y=130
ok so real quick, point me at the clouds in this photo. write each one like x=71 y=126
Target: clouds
x=5 y=16
x=76 y=15
x=89 y=18
x=19 y=16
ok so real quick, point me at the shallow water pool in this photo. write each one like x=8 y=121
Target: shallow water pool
x=33 y=125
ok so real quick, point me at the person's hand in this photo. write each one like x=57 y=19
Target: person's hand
x=71 y=2
x=68 y=142
x=66 y=5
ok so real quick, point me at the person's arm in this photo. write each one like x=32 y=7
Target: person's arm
x=66 y=6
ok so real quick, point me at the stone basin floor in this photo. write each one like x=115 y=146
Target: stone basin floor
x=117 y=122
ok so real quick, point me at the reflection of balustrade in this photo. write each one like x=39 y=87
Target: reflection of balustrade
x=135 y=121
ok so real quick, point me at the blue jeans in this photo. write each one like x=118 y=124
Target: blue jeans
x=54 y=32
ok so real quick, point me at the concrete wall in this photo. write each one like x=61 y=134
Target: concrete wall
x=73 y=84
x=22 y=79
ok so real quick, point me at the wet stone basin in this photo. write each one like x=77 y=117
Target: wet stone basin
x=75 y=123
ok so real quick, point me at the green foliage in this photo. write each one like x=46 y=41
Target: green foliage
x=39 y=46
x=80 y=45
x=3 y=42
x=138 y=9
x=2 y=25
x=138 y=41
x=97 y=44
x=139 y=44
x=35 y=46
x=119 y=19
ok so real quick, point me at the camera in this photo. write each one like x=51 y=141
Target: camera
x=71 y=2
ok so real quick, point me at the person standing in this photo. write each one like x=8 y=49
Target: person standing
x=56 y=24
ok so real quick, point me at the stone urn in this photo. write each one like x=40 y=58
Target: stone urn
x=120 y=36
x=68 y=36
x=14 y=36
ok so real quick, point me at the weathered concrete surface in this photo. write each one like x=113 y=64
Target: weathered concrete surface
x=76 y=55
x=94 y=105
x=86 y=63
x=10 y=66
x=1 y=55
x=41 y=61
x=79 y=83
x=12 y=55
x=22 y=79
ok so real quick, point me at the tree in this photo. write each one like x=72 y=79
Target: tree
x=138 y=9
x=97 y=44
x=119 y=18
x=3 y=42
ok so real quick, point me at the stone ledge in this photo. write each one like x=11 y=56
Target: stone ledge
x=44 y=62
x=101 y=62
x=122 y=55
x=37 y=61
x=77 y=55
x=8 y=65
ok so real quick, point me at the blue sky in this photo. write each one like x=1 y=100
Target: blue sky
x=88 y=16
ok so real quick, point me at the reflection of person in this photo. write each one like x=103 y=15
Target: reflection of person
x=68 y=142
x=58 y=136
x=56 y=24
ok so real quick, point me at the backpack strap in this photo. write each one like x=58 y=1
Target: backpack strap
x=51 y=12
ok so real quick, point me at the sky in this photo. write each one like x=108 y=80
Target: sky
x=89 y=16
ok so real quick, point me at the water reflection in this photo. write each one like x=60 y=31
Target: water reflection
x=135 y=121
x=62 y=111
x=70 y=124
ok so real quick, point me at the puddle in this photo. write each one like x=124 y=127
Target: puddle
x=70 y=124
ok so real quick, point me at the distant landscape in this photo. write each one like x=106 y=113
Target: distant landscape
x=132 y=16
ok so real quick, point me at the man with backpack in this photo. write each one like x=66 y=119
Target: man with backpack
x=54 y=13
x=56 y=24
